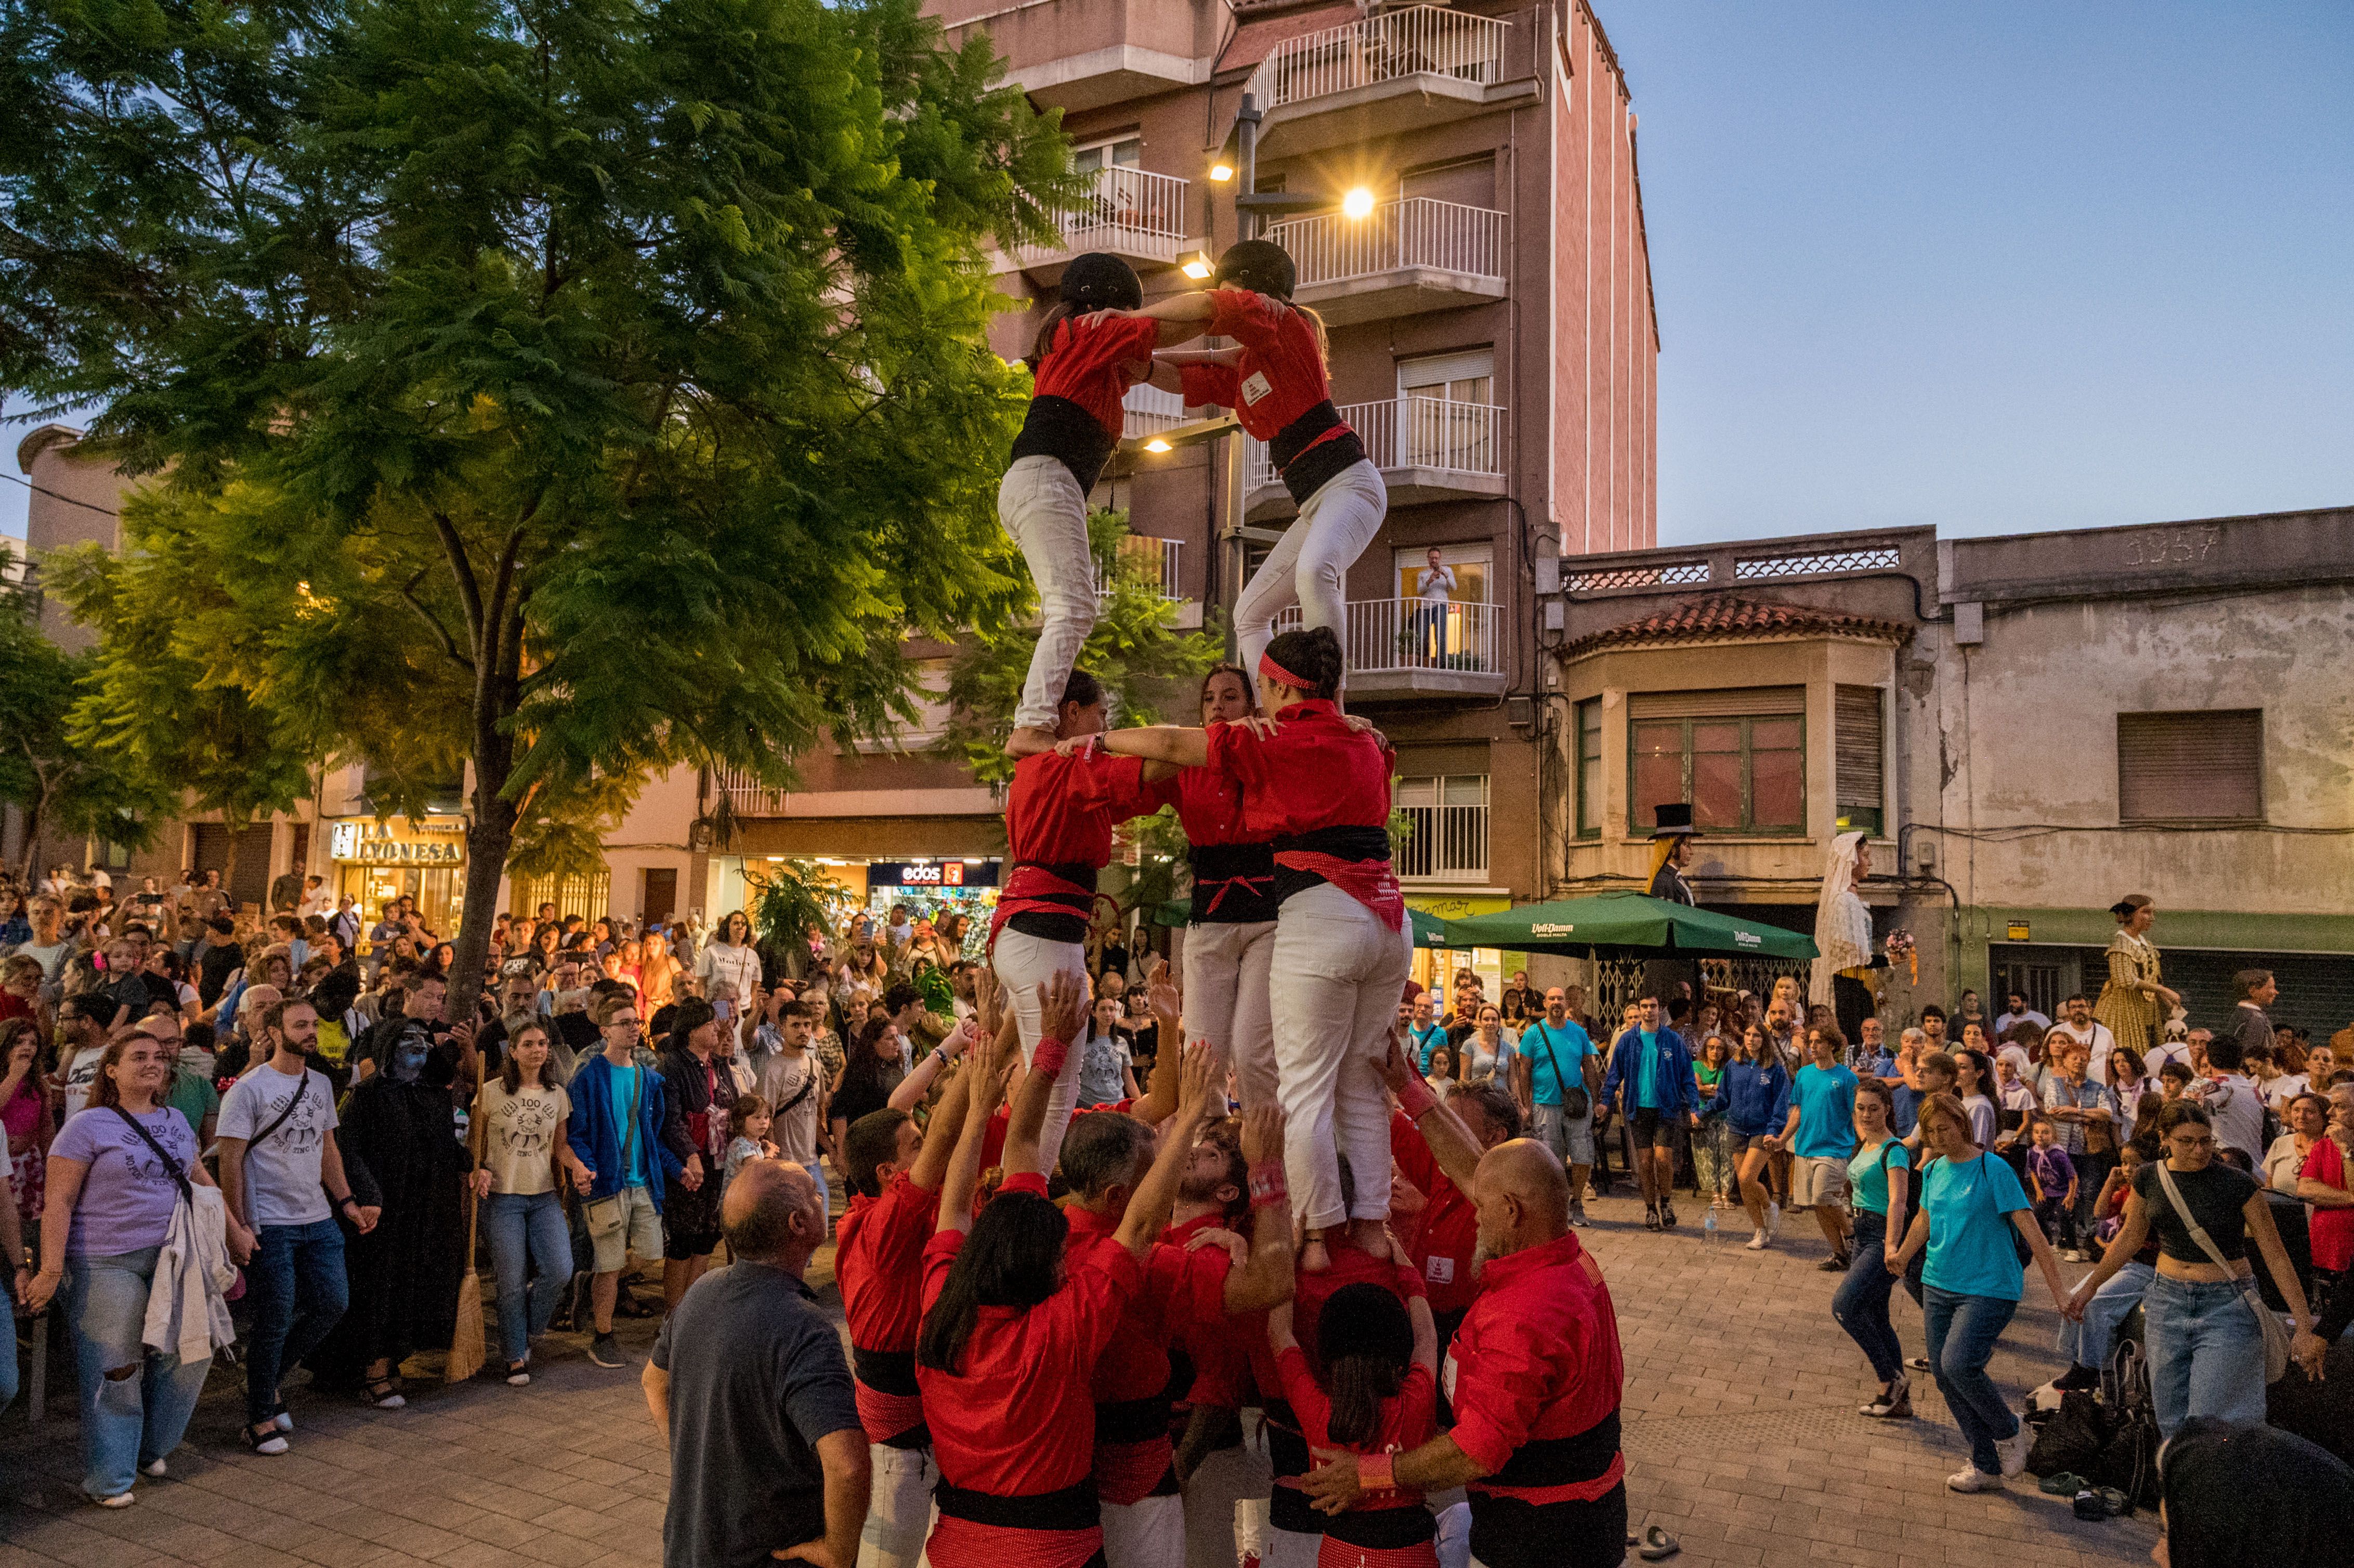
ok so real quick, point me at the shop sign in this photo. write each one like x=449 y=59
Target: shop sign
x=1456 y=907
x=931 y=873
x=2018 y=931
x=400 y=841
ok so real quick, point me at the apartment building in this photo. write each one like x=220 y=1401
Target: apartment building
x=2028 y=727
x=1476 y=248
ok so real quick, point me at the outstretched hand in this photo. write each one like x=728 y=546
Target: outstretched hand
x=1168 y=1002
x=1201 y=1083
x=1063 y=1006
x=1394 y=1071
x=988 y=1002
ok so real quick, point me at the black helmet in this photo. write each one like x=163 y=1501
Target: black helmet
x=1259 y=265
x=1099 y=281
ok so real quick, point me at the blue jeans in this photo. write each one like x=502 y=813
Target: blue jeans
x=527 y=1227
x=1860 y=1304
x=2206 y=1353
x=129 y=1421
x=2088 y=1343
x=299 y=1292
x=1962 y=1332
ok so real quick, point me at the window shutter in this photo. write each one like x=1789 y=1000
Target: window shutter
x=1738 y=703
x=1858 y=736
x=2192 y=766
x=1438 y=369
x=1468 y=181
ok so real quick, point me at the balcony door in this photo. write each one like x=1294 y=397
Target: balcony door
x=1452 y=633
x=1445 y=414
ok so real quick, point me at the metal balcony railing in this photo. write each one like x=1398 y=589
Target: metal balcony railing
x=746 y=795
x=1418 y=40
x=1149 y=410
x=1390 y=635
x=1445 y=844
x=1132 y=213
x=1413 y=433
x=1156 y=558
x=1414 y=231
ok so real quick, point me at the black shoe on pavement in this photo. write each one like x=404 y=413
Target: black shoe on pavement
x=606 y=1352
x=1668 y=1215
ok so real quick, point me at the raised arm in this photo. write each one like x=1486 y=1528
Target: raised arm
x=1265 y=1277
x=1160 y=1100
x=1451 y=1143
x=1063 y=1014
x=919 y=1081
x=1148 y=1210
x=1155 y=743
x=963 y=1177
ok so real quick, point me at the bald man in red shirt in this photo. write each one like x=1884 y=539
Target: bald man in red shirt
x=1535 y=1373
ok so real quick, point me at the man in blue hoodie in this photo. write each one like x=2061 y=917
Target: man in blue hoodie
x=1653 y=1064
x=615 y=1128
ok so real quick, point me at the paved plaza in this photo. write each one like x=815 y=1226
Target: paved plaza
x=1741 y=1437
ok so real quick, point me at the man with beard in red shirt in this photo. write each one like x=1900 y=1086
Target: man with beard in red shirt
x=1104 y=1156
x=1535 y=1373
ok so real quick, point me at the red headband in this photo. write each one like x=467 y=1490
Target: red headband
x=1275 y=672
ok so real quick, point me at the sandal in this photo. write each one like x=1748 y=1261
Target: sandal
x=264 y=1439
x=2061 y=1484
x=385 y=1393
x=2117 y=1502
x=1658 y=1544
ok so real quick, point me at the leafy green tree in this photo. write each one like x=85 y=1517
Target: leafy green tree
x=57 y=783
x=563 y=390
x=1135 y=650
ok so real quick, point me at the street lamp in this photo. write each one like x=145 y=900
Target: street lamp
x=1357 y=204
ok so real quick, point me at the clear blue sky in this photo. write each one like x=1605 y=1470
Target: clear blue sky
x=2006 y=267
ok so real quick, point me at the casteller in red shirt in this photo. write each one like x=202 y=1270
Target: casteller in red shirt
x=1279 y=392
x=879 y=1259
x=1446 y=1233
x=1075 y=415
x=1059 y=816
x=1380 y=1529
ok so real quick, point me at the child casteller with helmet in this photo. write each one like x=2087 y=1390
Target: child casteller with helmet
x=1089 y=351
x=1278 y=386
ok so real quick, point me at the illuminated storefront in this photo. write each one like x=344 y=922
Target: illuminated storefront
x=1436 y=968
x=419 y=858
x=926 y=885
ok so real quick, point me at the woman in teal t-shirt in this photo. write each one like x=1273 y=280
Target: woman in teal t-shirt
x=1880 y=1185
x=1970 y=1285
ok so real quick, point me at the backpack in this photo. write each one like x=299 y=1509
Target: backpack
x=2128 y=1459
x=2075 y=1438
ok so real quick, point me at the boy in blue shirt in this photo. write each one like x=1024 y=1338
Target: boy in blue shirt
x=1652 y=1061
x=1820 y=1137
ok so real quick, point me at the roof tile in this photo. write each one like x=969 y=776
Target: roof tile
x=1725 y=618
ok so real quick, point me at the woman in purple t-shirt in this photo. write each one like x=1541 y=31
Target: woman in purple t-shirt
x=111 y=1191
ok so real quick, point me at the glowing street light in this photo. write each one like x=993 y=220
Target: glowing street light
x=1357 y=204
x=1222 y=173
x=1197 y=267
x=1157 y=445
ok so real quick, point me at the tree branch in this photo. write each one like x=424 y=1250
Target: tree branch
x=461 y=568
x=449 y=644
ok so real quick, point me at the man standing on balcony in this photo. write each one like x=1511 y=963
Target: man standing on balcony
x=1434 y=587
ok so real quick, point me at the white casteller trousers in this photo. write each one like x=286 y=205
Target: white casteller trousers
x=1147 y=1534
x=1226 y=1000
x=1041 y=506
x=1309 y=565
x=1024 y=964
x=899 y=1511
x=1333 y=987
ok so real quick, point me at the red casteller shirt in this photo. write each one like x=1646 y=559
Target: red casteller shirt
x=878 y=1260
x=1060 y=811
x=1408 y=1416
x=1179 y=1288
x=1281 y=376
x=1088 y=362
x=1020 y=1419
x=1214 y=1345
x=1446 y=1233
x=1537 y=1358
x=1313 y=772
x=1351 y=1266
x=1209 y=805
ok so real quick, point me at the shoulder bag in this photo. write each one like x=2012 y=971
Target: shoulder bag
x=2275 y=1338
x=1575 y=1103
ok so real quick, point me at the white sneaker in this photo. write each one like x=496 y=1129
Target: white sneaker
x=1757 y=1241
x=2014 y=1450
x=119 y=1499
x=155 y=1468
x=2072 y=1256
x=1971 y=1479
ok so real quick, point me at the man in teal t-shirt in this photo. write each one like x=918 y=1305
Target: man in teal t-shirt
x=1557 y=1056
x=1820 y=1137
x=1424 y=1032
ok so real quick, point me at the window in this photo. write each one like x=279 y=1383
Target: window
x=1860 y=797
x=1444 y=411
x=2200 y=767
x=1470 y=563
x=1446 y=817
x=1589 y=769
x=1127 y=152
x=1739 y=756
x=1469 y=182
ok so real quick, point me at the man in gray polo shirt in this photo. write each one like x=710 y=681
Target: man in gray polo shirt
x=749 y=1383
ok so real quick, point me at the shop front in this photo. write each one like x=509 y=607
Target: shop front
x=419 y=858
x=1436 y=968
x=927 y=886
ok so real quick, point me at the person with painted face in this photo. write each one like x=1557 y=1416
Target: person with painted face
x=1087 y=353
x=1278 y=386
x=398 y=1137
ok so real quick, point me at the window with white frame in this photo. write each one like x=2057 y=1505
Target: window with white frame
x=1470 y=565
x=1444 y=414
x=1123 y=153
x=1447 y=828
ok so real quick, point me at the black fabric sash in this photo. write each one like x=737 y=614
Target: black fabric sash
x=1073 y=1508
x=1562 y=1461
x=886 y=1371
x=1132 y=1420
x=1060 y=428
x=1219 y=874
x=1381 y=1529
x=1071 y=927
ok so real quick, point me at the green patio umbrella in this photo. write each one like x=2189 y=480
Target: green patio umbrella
x=1627 y=921
x=1429 y=930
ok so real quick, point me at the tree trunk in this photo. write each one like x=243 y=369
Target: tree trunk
x=489 y=837
x=33 y=829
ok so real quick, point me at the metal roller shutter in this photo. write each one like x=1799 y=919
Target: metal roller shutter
x=1857 y=735
x=1734 y=703
x=2192 y=766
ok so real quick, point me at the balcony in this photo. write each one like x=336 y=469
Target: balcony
x=1406 y=258
x=1153 y=559
x=1082 y=54
x=1134 y=214
x=1429 y=448
x=1404 y=648
x=1446 y=829
x=1382 y=76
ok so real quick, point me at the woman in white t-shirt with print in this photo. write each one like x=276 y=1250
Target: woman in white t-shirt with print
x=517 y=1130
